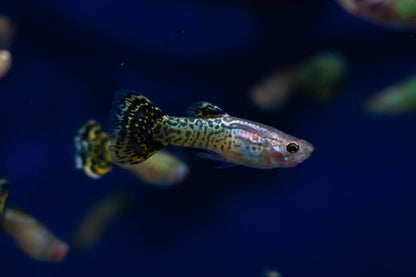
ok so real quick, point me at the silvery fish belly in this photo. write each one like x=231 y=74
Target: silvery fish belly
x=140 y=129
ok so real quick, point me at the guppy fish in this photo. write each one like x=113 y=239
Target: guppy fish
x=7 y=31
x=96 y=221
x=397 y=99
x=6 y=39
x=321 y=76
x=5 y=62
x=386 y=12
x=93 y=157
x=33 y=238
x=140 y=129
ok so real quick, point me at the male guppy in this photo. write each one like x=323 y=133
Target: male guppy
x=140 y=129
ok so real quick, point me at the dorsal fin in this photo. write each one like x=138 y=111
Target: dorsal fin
x=205 y=109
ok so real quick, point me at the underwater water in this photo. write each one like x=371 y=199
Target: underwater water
x=348 y=210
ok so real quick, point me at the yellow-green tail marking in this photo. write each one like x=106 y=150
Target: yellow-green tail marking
x=134 y=119
x=91 y=150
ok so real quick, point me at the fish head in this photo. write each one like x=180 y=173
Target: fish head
x=289 y=151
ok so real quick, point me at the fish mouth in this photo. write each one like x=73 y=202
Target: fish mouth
x=308 y=148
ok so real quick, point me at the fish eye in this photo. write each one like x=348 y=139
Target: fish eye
x=292 y=147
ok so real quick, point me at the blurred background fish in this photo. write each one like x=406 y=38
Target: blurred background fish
x=7 y=31
x=321 y=77
x=5 y=62
x=162 y=169
x=271 y=273
x=386 y=12
x=32 y=237
x=396 y=99
x=98 y=218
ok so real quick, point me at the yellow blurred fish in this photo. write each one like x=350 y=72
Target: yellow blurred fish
x=396 y=13
x=271 y=273
x=33 y=238
x=7 y=32
x=97 y=220
x=5 y=62
x=321 y=76
x=397 y=99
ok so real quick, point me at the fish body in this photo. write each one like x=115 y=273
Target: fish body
x=394 y=100
x=322 y=76
x=6 y=40
x=274 y=91
x=163 y=169
x=238 y=140
x=271 y=273
x=32 y=237
x=140 y=129
x=385 y=12
x=5 y=62
x=97 y=220
x=7 y=31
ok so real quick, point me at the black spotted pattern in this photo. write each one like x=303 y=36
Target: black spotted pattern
x=91 y=150
x=205 y=109
x=134 y=121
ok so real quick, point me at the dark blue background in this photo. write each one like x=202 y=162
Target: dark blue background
x=348 y=210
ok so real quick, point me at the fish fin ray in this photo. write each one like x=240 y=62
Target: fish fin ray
x=205 y=109
x=91 y=150
x=133 y=120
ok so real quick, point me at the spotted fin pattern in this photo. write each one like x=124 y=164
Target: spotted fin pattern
x=134 y=119
x=205 y=109
x=91 y=150
x=140 y=130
